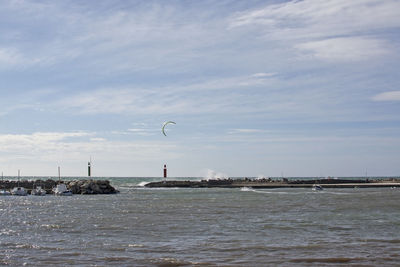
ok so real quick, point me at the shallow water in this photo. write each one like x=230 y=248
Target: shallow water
x=203 y=227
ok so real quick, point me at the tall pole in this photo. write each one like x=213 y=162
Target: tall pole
x=89 y=168
x=165 y=171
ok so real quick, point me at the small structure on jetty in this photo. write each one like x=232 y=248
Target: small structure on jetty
x=76 y=186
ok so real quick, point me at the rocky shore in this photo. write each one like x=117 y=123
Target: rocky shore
x=76 y=186
x=284 y=183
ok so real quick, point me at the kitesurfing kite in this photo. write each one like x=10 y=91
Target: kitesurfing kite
x=165 y=124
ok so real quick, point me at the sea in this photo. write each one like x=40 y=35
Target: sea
x=202 y=227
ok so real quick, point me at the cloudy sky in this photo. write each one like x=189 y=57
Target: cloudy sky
x=256 y=88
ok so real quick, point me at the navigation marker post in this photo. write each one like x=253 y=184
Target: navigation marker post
x=89 y=169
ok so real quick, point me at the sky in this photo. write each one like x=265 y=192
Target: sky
x=256 y=88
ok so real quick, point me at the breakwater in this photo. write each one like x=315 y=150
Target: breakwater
x=76 y=186
x=284 y=183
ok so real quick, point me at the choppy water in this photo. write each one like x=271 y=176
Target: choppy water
x=203 y=227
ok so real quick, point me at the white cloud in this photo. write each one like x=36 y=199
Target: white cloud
x=161 y=36
x=264 y=74
x=98 y=139
x=101 y=101
x=387 y=96
x=123 y=101
x=228 y=83
x=141 y=131
x=345 y=49
x=339 y=16
x=41 y=137
x=333 y=30
x=38 y=140
x=13 y=57
x=137 y=130
x=147 y=37
x=9 y=57
x=72 y=149
x=192 y=97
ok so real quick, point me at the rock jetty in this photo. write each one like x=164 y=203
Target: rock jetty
x=283 y=183
x=91 y=187
x=76 y=186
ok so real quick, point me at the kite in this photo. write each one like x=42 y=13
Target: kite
x=165 y=124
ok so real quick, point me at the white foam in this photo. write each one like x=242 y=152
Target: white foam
x=247 y=189
x=142 y=183
x=261 y=177
x=213 y=175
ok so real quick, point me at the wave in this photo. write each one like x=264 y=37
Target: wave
x=275 y=192
x=141 y=184
x=247 y=189
x=325 y=260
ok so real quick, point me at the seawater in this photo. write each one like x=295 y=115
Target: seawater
x=202 y=227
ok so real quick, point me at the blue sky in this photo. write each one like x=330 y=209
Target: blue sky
x=256 y=88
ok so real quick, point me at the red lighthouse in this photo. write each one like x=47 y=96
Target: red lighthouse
x=165 y=171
